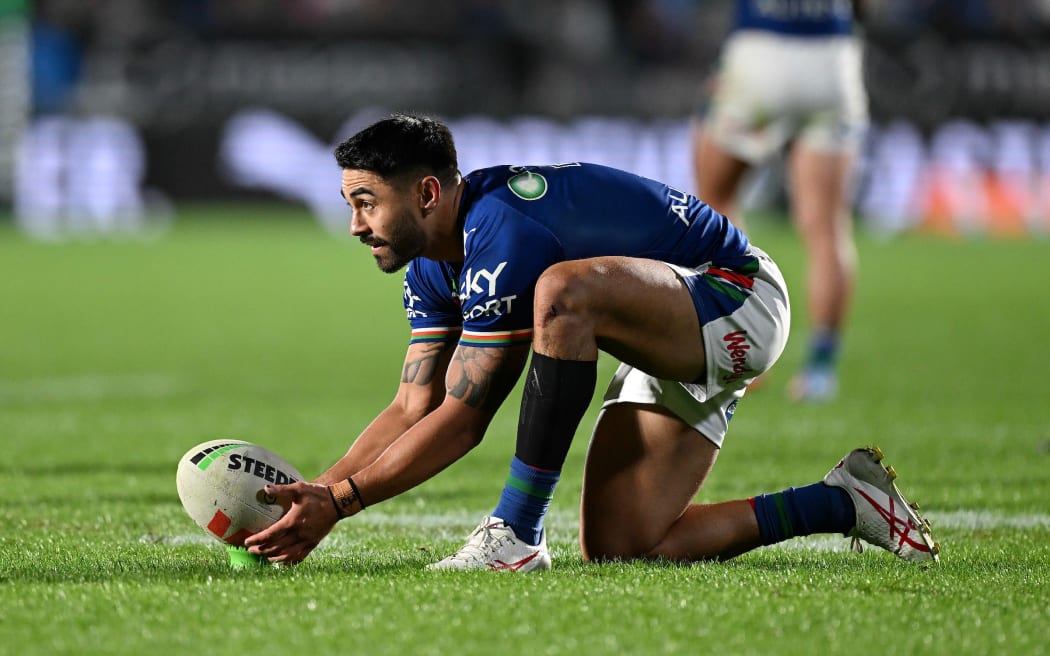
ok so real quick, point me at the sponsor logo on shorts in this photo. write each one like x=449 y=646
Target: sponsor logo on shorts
x=737 y=344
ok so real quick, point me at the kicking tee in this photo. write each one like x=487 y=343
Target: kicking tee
x=519 y=220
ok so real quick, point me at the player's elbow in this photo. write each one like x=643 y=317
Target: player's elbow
x=472 y=433
x=461 y=424
x=471 y=440
x=414 y=409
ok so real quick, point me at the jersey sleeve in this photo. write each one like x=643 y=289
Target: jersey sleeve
x=430 y=303
x=505 y=253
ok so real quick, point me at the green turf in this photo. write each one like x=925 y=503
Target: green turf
x=119 y=355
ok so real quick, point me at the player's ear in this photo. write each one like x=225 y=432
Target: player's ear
x=429 y=193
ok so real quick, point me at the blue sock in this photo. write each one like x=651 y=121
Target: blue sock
x=823 y=348
x=525 y=499
x=796 y=511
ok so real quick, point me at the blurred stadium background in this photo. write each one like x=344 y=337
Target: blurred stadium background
x=133 y=107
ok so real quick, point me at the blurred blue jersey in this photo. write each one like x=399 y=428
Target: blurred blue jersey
x=519 y=220
x=796 y=17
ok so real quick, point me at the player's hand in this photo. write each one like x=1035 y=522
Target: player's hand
x=310 y=517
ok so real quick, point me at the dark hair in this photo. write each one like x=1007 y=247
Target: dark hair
x=400 y=146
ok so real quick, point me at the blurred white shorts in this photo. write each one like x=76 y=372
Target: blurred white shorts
x=772 y=88
x=738 y=347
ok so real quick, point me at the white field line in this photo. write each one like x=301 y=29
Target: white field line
x=979 y=519
x=567 y=521
x=562 y=526
x=89 y=387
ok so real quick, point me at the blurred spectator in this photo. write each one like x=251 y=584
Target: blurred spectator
x=175 y=72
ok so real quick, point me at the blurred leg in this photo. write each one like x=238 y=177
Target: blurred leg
x=718 y=175
x=820 y=190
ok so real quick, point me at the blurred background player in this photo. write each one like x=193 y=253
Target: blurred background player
x=790 y=75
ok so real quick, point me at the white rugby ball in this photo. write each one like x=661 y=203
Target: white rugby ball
x=221 y=482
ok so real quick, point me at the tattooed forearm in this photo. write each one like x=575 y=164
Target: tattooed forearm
x=421 y=368
x=483 y=377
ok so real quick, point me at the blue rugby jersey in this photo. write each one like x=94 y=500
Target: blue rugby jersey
x=796 y=17
x=519 y=220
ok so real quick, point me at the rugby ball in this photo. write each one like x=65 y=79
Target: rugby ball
x=221 y=485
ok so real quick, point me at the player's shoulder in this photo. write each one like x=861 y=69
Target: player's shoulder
x=422 y=269
x=498 y=176
x=484 y=181
x=494 y=195
x=521 y=185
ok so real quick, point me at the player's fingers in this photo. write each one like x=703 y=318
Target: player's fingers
x=276 y=542
x=285 y=531
x=262 y=537
x=299 y=555
x=285 y=496
x=292 y=554
x=278 y=558
x=268 y=549
x=253 y=541
x=282 y=495
x=270 y=534
x=283 y=558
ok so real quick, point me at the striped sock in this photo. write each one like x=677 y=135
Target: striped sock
x=796 y=511
x=525 y=499
x=823 y=348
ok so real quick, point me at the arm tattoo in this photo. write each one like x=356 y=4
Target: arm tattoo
x=482 y=377
x=420 y=370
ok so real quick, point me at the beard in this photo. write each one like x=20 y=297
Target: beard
x=405 y=243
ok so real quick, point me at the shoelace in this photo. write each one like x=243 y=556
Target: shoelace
x=479 y=545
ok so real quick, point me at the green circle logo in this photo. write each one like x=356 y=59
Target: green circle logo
x=528 y=185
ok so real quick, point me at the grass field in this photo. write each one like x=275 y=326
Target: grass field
x=117 y=356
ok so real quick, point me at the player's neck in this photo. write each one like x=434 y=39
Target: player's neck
x=447 y=243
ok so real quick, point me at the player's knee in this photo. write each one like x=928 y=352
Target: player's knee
x=562 y=293
x=603 y=552
x=601 y=543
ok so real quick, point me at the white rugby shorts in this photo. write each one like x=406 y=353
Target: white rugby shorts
x=738 y=347
x=773 y=88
